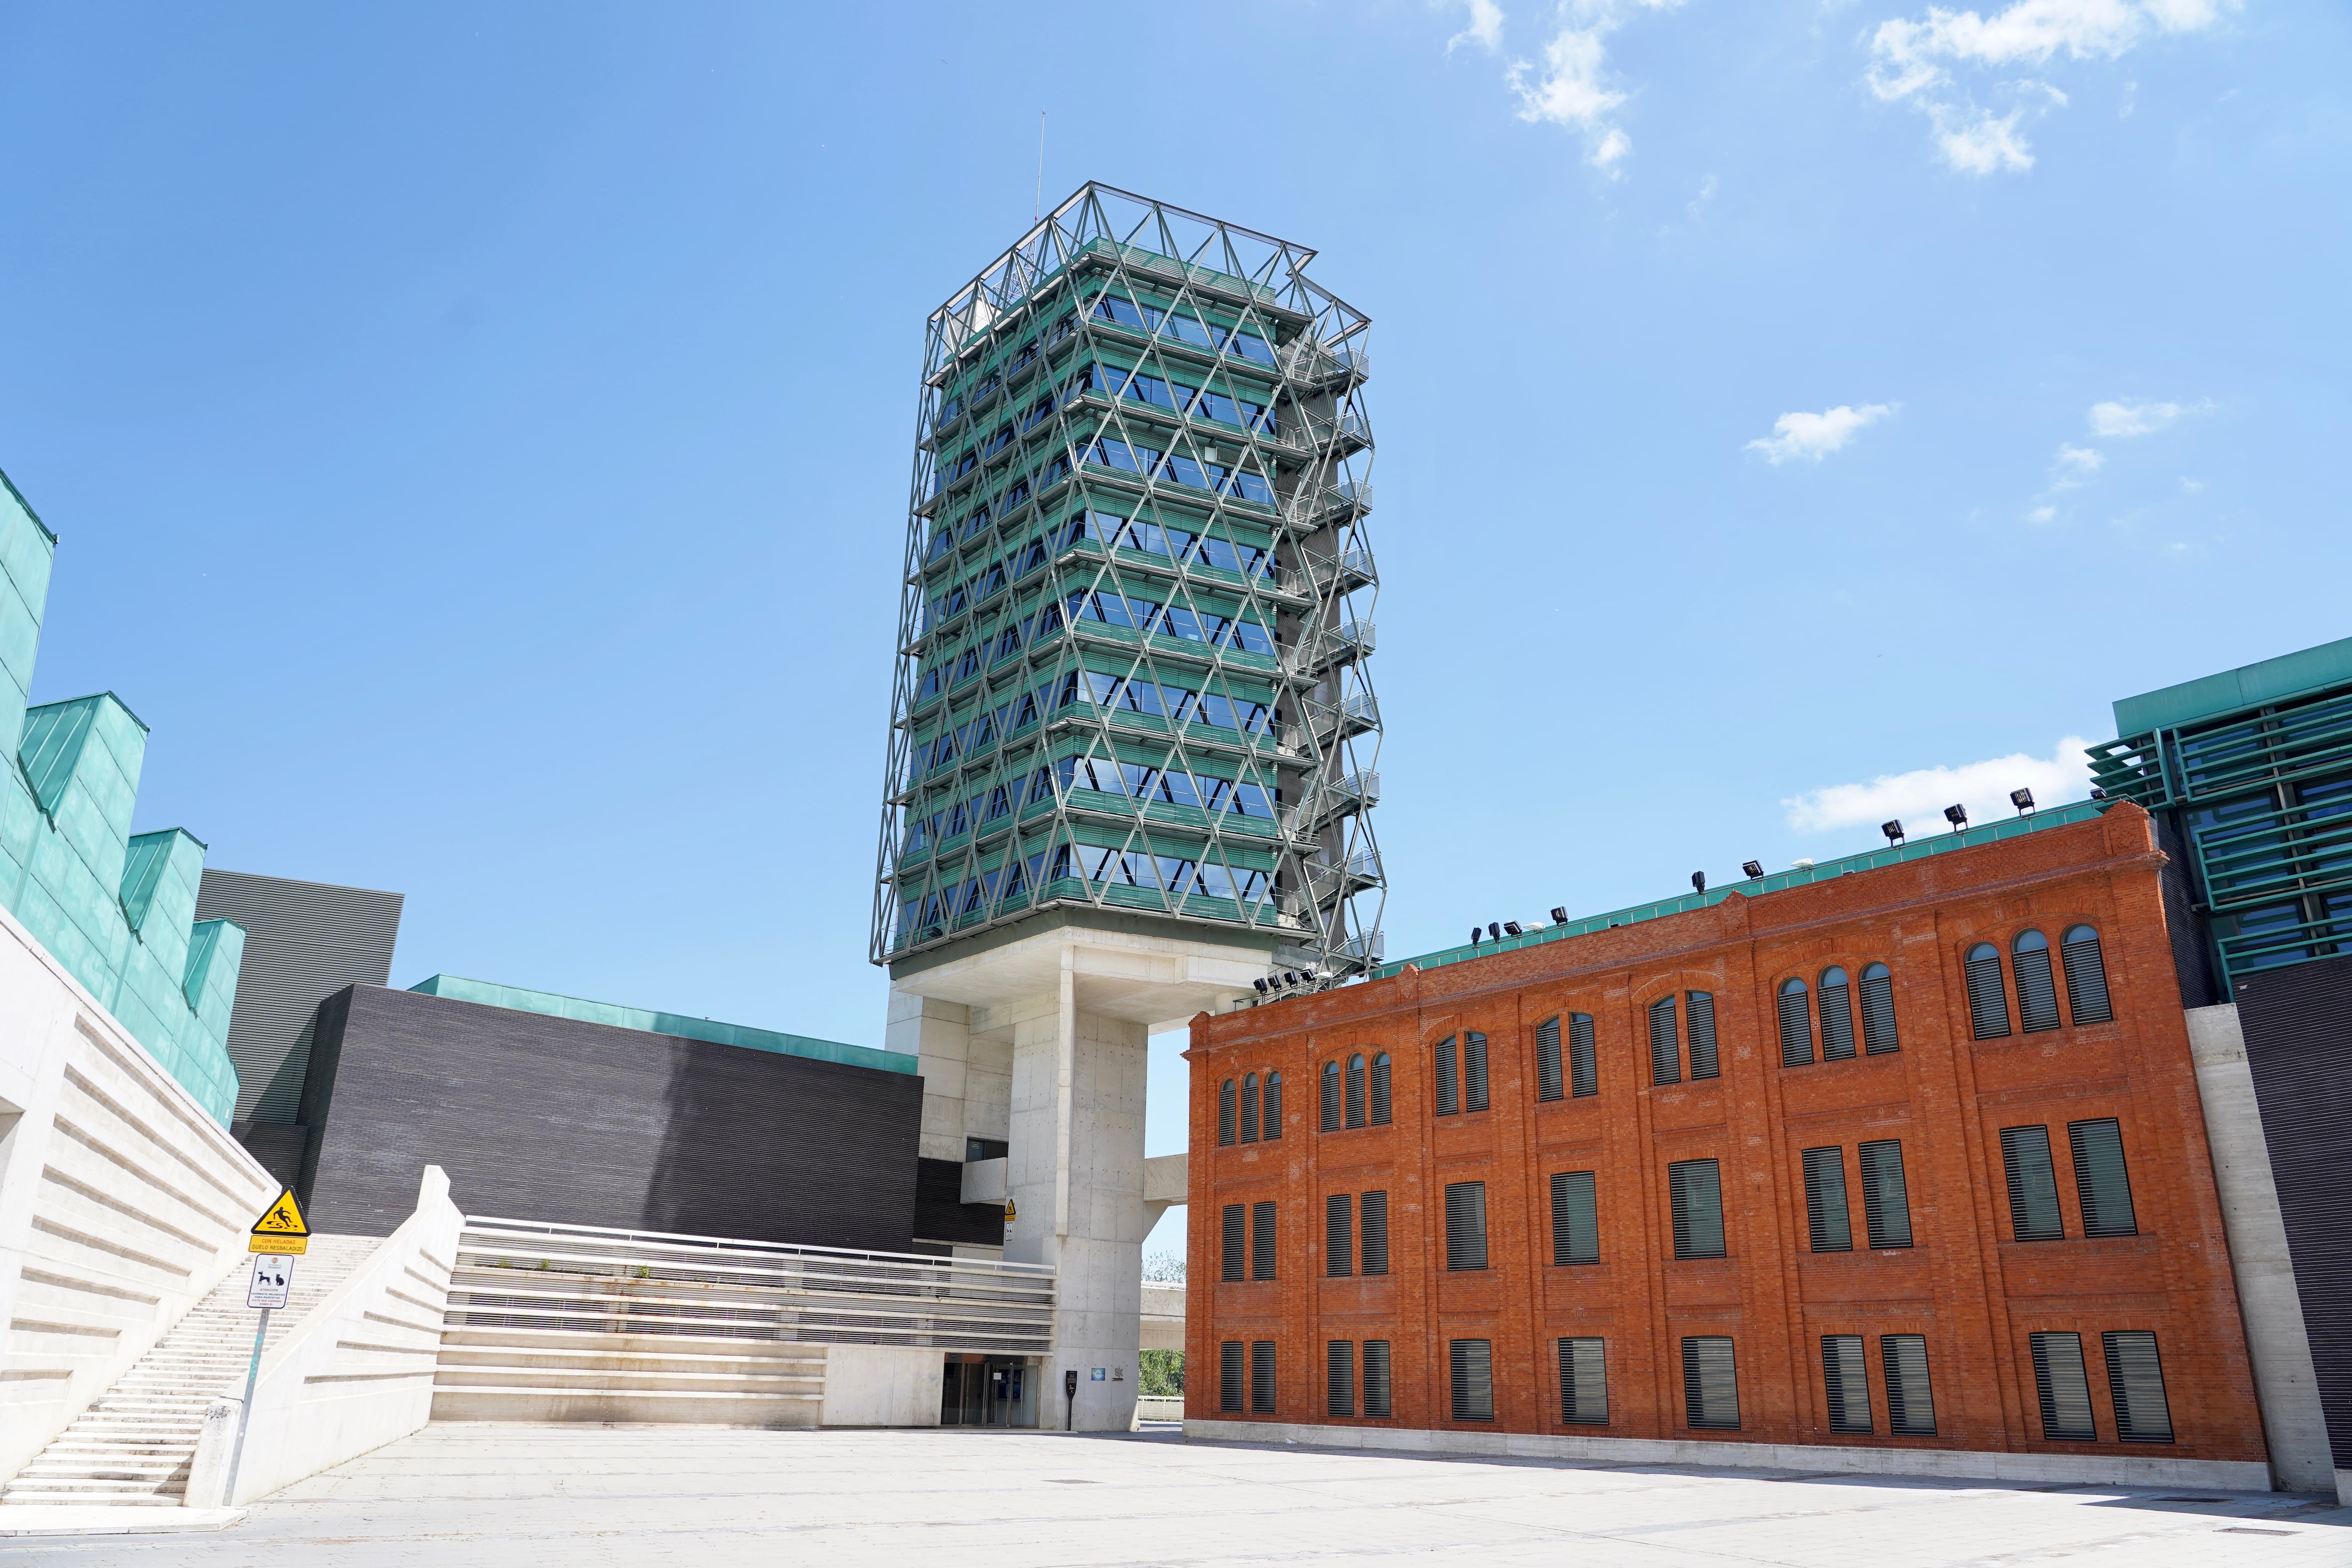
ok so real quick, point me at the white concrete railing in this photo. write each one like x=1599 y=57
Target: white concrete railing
x=354 y=1373
x=122 y=1201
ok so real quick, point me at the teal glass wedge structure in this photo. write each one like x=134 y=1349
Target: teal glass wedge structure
x=1134 y=644
x=2249 y=774
x=117 y=910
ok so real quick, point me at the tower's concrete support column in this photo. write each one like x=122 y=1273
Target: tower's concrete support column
x=1068 y=1013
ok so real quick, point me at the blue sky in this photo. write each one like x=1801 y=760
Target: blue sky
x=480 y=436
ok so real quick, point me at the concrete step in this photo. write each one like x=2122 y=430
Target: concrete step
x=85 y=1499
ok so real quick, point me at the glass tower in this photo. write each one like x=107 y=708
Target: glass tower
x=1133 y=681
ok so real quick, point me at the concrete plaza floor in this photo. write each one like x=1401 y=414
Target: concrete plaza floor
x=457 y=1496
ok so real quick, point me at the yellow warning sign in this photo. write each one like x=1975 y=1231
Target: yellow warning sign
x=1010 y=1212
x=281 y=1227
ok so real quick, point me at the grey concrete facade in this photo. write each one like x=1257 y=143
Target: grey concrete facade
x=2284 y=1383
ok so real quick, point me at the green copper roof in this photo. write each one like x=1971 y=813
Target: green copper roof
x=1822 y=871
x=459 y=989
x=2330 y=664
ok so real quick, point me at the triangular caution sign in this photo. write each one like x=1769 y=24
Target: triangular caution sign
x=283 y=1217
x=1011 y=1214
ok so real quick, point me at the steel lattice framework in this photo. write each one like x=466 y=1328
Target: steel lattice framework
x=1133 y=649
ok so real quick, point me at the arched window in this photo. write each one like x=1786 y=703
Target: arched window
x=1836 y=1008
x=1878 y=1010
x=1666 y=1048
x=1328 y=1117
x=2086 y=977
x=1796 y=1024
x=1356 y=1090
x=2037 y=987
x=1449 y=1089
x=1226 y=1113
x=1249 y=1108
x=1474 y=1071
x=1700 y=1027
x=1548 y=1084
x=1273 y=1128
x=1988 y=1003
x=1583 y=1069
x=1381 y=1089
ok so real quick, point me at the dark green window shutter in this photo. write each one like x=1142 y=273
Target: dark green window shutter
x=1465 y=1226
x=2033 y=1185
x=1229 y=1375
x=1262 y=1239
x=1338 y=1236
x=1878 y=1034
x=1710 y=1383
x=1449 y=1094
x=1548 y=1077
x=1474 y=1071
x=1825 y=1210
x=1796 y=1024
x=2086 y=978
x=1988 y=1003
x=1575 y=1218
x=1328 y=1118
x=2136 y=1381
x=1249 y=1108
x=1381 y=1089
x=1702 y=1034
x=1474 y=1379
x=1845 y=1377
x=1885 y=1204
x=1695 y=1188
x=2037 y=989
x=1665 y=1046
x=1233 y=1256
x=1583 y=1069
x=1584 y=1382
x=1376 y=1233
x=1226 y=1113
x=1339 y=1377
x=2101 y=1184
x=1356 y=1091
x=2064 y=1389
x=1262 y=1377
x=1376 y=1379
x=1836 y=1008
x=1910 y=1403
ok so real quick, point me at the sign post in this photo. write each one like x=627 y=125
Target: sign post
x=279 y=1236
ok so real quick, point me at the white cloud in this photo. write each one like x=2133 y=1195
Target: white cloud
x=2118 y=419
x=1572 y=86
x=1915 y=61
x=2079 y=459
x=1813 y=437
x=1485 y=28
x=2043 y=514
x=1917 y=799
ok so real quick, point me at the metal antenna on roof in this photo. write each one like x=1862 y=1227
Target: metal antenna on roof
x=1037 y=206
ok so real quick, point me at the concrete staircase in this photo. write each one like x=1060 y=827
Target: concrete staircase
x=134 y=1443
x=537 y=1374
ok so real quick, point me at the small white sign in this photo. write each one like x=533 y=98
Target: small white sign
x=273 y=1281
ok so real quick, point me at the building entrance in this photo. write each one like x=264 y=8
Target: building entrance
x=988 y=1391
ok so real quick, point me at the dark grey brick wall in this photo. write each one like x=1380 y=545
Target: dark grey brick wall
x=941 y=1215
x=2298 y=1028
x=551 y=1118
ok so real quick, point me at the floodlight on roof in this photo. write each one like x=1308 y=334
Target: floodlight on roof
x=1260 y=983
x=1494 y=930
x=1560 y=914
x=1698 y=882
x=1510 y=928
x=1958 y=816
x=1892 y=828
x=1753 y=868
x=1477 y=936
x=2022 y=798
x=2098 y=793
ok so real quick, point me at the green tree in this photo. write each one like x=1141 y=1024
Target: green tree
x=1161 y=1373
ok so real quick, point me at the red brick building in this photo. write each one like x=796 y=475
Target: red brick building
x=1911 y=1158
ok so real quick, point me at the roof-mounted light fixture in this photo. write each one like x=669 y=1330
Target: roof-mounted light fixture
x=2023 y=799
x=1893 y=829
x=1754 y=868
x=1958 y=816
